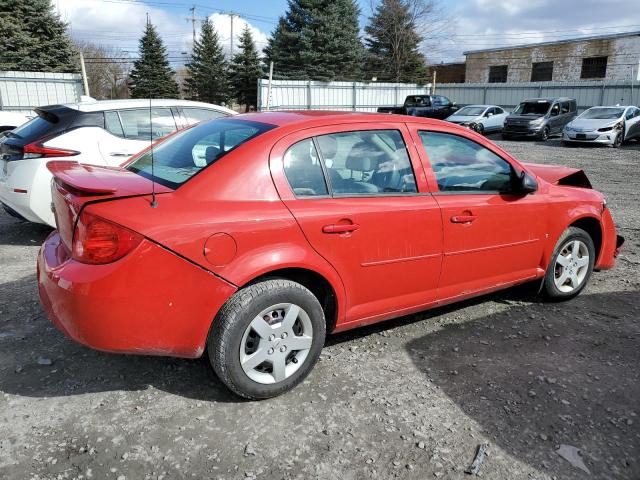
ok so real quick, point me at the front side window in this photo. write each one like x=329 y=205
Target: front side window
x=555 y=110
x=462 y=165
x=303 y=170
x=372 y=162
x=136 y=125
x=566 y=107
x=180 y=157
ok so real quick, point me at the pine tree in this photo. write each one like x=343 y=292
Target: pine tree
x=34 y=38
x=207 y=71
x=151 y=76
x=245 y=70
x=393 y=44
x=317 y=40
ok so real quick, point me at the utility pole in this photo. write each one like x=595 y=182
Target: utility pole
x=231 y=15
x=269 y=86
x=192 y=19
x=84 y=75
x=433 y=87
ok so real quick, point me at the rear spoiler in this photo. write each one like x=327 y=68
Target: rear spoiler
x=83 y=178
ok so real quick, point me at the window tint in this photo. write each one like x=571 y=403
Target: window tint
x=197 y=115
x=367 y=162
x=566 y=107
x=303 y=170
x=180 y=157
x=555 y=110
x=630 y=114
x=135 y=123
x=498 y=111
x=112 y=123
x=460 y=164
x=444 y=101
x=498 y=74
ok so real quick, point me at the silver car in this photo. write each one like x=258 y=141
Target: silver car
x=604 y=125
x=481 y=118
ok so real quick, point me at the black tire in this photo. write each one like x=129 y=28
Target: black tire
x=544 y=134
x=549 y=288
x=233 y=319
x=479 y=128
x=617 y=143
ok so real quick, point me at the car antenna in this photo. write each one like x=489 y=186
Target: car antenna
x=154 y=203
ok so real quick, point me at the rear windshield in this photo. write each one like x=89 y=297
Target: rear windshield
x=533 y=108
x=603 y=113
x=34 y=129
x=412 y=101
x=180 y=157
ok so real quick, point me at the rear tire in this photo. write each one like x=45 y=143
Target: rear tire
x=570 y=266
x=278 y=323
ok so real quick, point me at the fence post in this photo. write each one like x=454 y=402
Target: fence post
x=354 y=97
x=602 y=94
x=395 y=96
x=309 y=95
x=484 y=95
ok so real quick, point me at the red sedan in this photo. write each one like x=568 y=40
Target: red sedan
x=269 y=230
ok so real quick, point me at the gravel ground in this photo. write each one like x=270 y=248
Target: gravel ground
x=411 y=398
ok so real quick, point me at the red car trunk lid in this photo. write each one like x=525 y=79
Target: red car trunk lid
x=77 y=184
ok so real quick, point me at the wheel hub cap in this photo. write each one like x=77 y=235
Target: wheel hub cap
x=276 y=343
x=571 y=266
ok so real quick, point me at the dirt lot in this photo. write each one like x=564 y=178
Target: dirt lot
x=411 y=398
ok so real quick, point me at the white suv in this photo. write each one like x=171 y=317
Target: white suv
x=97 y=132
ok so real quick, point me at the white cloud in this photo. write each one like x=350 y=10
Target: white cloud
x=222 y=24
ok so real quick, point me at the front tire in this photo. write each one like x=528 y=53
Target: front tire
x=544 y=135
x=571 y=265
x=267 y=338
x=617 y=143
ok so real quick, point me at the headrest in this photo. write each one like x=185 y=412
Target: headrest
x=211 y=153
x=328 y=146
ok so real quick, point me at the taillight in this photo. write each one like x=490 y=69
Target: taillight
x=38 y=150
x=99 y=241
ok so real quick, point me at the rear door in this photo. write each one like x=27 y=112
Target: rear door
x=357 y=193
x=492 y=236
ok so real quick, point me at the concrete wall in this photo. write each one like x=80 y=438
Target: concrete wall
x=622 y=52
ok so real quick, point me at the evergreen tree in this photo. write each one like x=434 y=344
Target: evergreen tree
x=317 y=40
x=151 y=76
x=245 y=70
x=34 y=38
x=393 y=44
x=207 y=71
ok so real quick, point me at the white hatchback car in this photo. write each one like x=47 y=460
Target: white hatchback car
x=481 y=118
x=97 y=132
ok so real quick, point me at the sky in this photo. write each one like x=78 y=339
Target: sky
x=462 y=24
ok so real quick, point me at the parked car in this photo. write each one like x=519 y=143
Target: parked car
x=297 y=225
x=481 y=118
x=604 y=125
x=540 y=118
x=431 y=106
x=96 y=132
x=10 y=120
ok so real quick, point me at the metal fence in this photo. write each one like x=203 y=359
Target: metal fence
x=359 y=96
x=22 y=91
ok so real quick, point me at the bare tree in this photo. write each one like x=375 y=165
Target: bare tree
x=107 y=70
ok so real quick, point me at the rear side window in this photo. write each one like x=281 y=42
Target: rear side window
x=566 y=107
x=372 y=162
x=197 y=115
x=182 y=156
x=136 y=125
x=303 y=170
x=462 y=165
x=112 y=123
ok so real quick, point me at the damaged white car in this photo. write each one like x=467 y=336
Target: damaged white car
x=604 y=125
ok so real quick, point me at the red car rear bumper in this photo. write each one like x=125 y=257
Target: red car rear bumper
x=150 y=302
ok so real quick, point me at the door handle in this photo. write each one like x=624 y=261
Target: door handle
x=463 y=218
x=340 y=228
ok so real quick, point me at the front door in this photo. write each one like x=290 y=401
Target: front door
x=356 y=192
x=492 y=236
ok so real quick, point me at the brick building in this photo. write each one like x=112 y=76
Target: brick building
x=604 y=57
x=447 y=72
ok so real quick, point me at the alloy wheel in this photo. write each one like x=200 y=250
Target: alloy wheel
x=572 y=266
x=276 y=343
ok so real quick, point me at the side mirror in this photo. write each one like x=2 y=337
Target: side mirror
x=528 y=183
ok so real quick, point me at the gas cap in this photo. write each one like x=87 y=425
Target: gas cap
x=220 y=249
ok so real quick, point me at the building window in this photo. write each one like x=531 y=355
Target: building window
x=498 y=74
x=542 y=71
x=594 y=67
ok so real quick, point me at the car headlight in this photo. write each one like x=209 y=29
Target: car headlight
x=608 y=129
x=569 y=128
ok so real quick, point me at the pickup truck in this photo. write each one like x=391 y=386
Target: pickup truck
x=431 y=106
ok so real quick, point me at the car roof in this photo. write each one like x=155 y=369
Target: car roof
x=610 y=106
x=102 y=105
x=314 y=118
x=481 y=106
x=550 y=99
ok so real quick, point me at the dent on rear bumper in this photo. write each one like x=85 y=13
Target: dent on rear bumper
x=150 y=302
